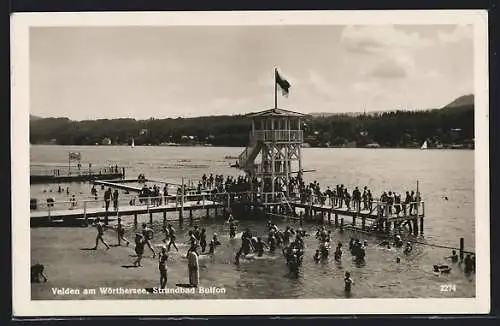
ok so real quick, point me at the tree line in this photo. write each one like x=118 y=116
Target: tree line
x=388 y=129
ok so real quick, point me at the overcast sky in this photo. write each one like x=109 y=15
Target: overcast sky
x=172 y=71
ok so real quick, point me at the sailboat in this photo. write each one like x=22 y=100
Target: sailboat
x=424 y=145
x=133 y=144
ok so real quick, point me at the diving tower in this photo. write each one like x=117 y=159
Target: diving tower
x=273 y=154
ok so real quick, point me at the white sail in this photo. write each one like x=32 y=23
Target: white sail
x=133 y=143
x=424 y=145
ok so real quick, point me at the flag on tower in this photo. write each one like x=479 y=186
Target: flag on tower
x=283 y=83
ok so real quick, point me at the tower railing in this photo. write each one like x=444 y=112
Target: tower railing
x=278 y=135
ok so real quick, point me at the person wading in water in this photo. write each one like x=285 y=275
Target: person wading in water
x=162 y=266
x=139 y=249
x=171 y=235
x=100 y=232
x=193 y=267
x=147 y=233
x=120 y=231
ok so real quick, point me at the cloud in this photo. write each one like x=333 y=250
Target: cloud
x=380 y=39
x=459 y=33
x=389 y=69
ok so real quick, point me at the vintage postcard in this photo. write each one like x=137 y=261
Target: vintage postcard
x=250 y=163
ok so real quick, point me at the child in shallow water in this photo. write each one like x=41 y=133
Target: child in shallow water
x=348 y=282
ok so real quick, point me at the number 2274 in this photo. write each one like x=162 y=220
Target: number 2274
x=448 y=287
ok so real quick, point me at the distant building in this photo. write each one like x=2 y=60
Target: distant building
x=106 y=141
x=373 y=145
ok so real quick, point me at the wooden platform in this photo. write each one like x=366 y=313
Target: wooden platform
x=353 y=213
x=42 y=217
x=37 y=179
x=118 y=185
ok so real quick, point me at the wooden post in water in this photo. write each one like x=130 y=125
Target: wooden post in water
x=329 y=217
x=191 y=215
x=181 y=211
x=85 y=213
x=422 y=224
x=415 y=225
x=363 y=222
x=342 y=224
x=135 y=219
x=106 y=219
x=461 y=249
x=336 y=220
x=354 y=219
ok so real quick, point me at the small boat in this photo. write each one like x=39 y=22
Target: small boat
x=229 y=157
x=424 y=145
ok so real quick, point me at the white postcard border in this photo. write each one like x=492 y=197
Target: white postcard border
x=22 y=304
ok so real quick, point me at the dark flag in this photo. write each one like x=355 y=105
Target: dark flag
x=283 y=83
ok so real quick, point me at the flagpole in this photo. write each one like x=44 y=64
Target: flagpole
x=275 y=89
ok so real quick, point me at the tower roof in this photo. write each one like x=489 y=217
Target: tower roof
x=276 y=113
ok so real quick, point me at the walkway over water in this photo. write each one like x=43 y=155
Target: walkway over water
x=62 y=175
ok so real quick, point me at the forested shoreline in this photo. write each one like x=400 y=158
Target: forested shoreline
x=449 y=126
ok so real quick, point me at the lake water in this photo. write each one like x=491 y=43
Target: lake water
x=441 y=173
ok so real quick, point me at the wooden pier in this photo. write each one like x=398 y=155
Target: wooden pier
x=62 y=176
x=49 y=216
x=382 y=217
x=118 y=185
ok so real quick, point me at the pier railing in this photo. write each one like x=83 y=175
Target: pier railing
x=64 y=171
x=223 y=199
x=382 y=209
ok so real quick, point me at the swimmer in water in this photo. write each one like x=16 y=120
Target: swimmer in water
x=408 y=248
x=453 y=257
x=348 y=282
x=398 y=260
x=37 y=273
x=317 y=256
x=338 y=252
x=232 y=230
x=259 y=247
x=469 y=264
x=213 y=244
x=441 y=269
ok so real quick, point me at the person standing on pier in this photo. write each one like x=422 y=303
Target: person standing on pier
x=115 y=199
x=100 y=232
x=193 y=267
x=364 y=197
x=107 y=198
x=147 y=233
x=165 y=194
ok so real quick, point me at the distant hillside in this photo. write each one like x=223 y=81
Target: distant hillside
x=34 y=117
x=465 y=100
